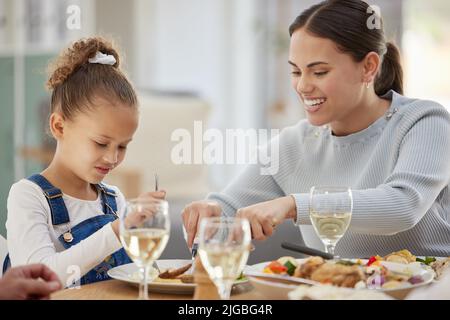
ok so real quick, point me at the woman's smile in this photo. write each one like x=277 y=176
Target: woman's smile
x=313 y=104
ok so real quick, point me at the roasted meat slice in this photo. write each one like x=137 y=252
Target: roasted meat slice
x=174 y=273
x=305 y=270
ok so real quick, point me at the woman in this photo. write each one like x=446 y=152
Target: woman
x=360 y=131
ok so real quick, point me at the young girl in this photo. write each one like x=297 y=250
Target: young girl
x=66 y=217
x=360 y=132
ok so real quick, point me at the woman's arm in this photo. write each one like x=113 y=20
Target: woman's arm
x=253 y=185
x=248 y=188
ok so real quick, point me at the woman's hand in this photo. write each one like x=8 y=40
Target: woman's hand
x=194 y=212
x=265 y=216
x=161 y=195
x=34 y=281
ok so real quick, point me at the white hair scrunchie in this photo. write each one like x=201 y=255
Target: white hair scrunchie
x=102 y=58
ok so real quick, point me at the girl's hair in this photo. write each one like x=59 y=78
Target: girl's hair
x=76 y=82
x=346 y=23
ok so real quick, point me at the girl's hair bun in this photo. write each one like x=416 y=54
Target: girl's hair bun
x=76 y=83
x=76 y=56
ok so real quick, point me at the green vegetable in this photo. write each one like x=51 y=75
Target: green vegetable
x=290 y=268
x=346 y=262
x=241 y=277
x=427 y=260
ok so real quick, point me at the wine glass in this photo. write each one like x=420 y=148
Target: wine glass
x=224 y=245
x=144 y=233
x=330 y=211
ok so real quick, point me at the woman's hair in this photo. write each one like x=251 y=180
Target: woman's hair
x=76 y=82
x=345 y=22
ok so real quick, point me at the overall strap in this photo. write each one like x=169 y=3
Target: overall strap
x=6 y=264
x=108 y=199
x=54 y=197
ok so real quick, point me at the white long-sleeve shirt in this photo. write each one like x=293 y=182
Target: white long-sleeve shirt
x=32 y=238
x=398 y=169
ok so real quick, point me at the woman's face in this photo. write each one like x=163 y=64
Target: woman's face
x=94 y=142
x=328 y=82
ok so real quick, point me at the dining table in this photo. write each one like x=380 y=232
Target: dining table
x=121 y=290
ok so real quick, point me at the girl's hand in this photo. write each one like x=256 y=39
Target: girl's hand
x=265 y=216
x=147 y=195
x=161 y=194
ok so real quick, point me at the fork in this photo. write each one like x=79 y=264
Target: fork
x=156 y=182
x=155 y=265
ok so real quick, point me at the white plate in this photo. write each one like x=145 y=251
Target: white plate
x=277 y=287
x=272 y=288
x=130 y=273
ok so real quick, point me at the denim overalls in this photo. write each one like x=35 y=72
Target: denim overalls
x=82 y=230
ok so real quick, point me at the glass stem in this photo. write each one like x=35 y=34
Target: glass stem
x=143 y=287
x=330 y=248
x=224 y=290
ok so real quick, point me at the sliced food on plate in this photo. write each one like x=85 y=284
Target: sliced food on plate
x=177 y=274
x=439 y=266
x=396 y=270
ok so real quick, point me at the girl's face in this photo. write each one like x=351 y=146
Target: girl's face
x=94 y=142
x=328 y=82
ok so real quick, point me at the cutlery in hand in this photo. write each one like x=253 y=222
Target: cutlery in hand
x=306 y=250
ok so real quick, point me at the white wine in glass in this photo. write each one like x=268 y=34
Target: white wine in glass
x=144 y=233
x=145 y=245
x=224 y=245
x=330 y=213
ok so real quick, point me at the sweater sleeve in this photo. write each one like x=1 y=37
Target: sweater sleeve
x=248 y=188
x=30 y=241
x=254 y=184
x=420 y=174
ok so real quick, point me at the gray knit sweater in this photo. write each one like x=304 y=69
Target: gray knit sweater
x=398 y=169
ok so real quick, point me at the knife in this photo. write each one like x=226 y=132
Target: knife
x=194 y=251
x=306 y=250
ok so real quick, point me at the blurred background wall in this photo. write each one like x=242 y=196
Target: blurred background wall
x=223 y=62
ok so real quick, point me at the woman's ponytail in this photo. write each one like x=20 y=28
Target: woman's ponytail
x=391 y=73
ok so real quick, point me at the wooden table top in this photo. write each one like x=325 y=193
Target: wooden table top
x=120 y=290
